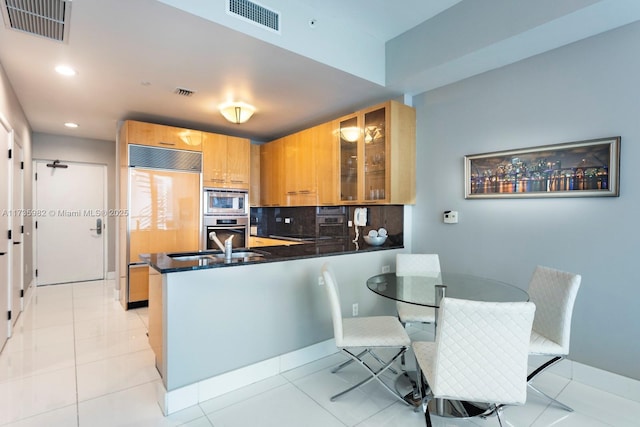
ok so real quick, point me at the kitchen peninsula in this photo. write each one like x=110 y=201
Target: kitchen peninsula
x=217 y=326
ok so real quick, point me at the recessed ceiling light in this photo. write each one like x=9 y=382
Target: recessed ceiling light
x=65 y=70
x=71 y=125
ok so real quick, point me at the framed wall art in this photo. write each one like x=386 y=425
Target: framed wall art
x=573 y=169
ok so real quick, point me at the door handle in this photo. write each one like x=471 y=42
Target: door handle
x=2 y=253
x=98 y=228
x=16 y=243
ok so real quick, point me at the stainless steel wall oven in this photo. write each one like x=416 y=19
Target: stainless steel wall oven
x=225 y=227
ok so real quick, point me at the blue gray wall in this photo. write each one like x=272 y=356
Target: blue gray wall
x=586 y=90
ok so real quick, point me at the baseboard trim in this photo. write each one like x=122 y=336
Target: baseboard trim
x=184 y=397
x=610 y=382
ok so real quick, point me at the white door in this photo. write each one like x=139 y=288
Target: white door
x=17 y=232
x=5 y=219
x=70 y=218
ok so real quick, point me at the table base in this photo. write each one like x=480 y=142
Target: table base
x=406 y=386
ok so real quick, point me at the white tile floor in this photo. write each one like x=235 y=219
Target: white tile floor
x=77 y=359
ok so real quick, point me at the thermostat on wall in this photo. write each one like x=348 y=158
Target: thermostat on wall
x=450 y=217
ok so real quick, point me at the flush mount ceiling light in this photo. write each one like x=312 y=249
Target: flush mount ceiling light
x=237 y=112
x=65 y=70
x=71 y=125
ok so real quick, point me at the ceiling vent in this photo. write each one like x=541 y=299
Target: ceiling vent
x=183 y=92
x=255 y=13
x=44 y=18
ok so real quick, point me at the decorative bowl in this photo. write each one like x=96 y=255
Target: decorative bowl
x=375 y=241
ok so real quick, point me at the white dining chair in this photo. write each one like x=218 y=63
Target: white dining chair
x=554 y=293
x=479 y=355
x=357 y=337
x=416 y=265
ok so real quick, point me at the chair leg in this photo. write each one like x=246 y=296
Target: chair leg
x=560 y=404
x=375 y=356
x=498 y=413
x=374 y=374
x=382 y=362
x=540 y=369
x=342 y=365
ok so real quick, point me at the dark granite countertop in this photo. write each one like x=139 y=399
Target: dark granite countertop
x=167 y=263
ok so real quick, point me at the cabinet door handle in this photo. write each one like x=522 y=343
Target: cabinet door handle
x=166 y=143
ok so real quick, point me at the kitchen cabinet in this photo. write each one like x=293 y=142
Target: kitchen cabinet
x=377 y=149
x=272 y=173
x=155 y=318
x=254 y=179
x=299 y=168
x=142 y=133
x=300 y=177
x=257 y=242
x=138 y=283
x=226 y=161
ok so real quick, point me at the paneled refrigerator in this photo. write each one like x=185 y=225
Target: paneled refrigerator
x=164 y=210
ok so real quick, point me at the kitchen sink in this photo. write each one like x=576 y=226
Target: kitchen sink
x=236 y=256
x=240 y=254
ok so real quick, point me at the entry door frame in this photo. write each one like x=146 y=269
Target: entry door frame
x=7 y=327
x=105 y=233
x=17 y=227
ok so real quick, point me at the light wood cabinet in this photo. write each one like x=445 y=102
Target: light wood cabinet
x=226 y=161
x=300 y=168
x=155 y=318
x=142 y=133
x=254 y=189
x=138 y=283
x=377 y=149
x=272 y=173
x=368 y=157
x=257 y=242
x=300 y=165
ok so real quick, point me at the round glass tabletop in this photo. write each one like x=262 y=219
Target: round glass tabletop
x=421 y=290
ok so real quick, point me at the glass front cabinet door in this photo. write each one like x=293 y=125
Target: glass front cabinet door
x=349 y=134
x=377 y=155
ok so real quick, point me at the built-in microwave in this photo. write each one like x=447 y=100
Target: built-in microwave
x=225 y=202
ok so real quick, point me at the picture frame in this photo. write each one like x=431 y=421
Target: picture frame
x=573 y=169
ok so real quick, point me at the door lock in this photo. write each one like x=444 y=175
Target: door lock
x=98 y=228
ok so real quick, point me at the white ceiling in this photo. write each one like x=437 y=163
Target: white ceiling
x=131 y=55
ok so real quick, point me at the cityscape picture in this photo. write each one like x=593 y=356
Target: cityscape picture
x=584 y=168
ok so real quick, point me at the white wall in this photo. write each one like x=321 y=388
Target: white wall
x=65 y=148
x=582 y=91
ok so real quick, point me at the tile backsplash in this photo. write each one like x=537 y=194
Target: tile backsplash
x=301 y=221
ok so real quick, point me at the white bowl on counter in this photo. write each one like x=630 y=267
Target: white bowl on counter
x=375 y=240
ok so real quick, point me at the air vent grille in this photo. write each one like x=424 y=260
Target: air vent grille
x=45 y=18
x=253 y=12
x=141 y=156
x=184 y=92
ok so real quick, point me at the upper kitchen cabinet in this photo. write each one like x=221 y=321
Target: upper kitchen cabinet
x=272 y=173
x=142 y=133
x=298 y=169
x=254 y=190
x=226 y=161
x=377 y=148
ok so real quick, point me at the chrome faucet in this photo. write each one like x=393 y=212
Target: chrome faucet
x=227 y=248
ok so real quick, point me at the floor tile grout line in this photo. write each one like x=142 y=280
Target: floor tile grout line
x=75 y=358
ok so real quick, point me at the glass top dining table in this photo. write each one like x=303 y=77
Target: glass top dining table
x=422 y=290
x=428 y=290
